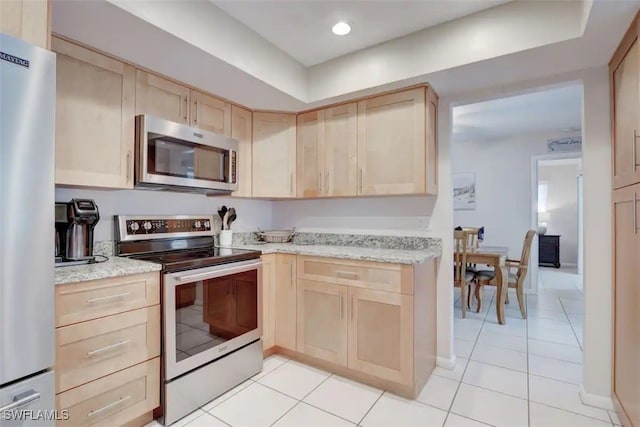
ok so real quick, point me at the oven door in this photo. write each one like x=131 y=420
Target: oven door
x=174 y=155
x=209 y=312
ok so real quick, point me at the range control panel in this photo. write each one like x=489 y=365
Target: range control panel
x=136 y=227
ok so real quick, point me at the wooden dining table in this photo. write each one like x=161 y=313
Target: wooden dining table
x=496 y=257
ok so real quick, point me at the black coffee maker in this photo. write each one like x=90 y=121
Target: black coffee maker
x=75 y=222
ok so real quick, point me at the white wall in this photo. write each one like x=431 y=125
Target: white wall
x=251 y=213
x=407 y=216
x=561 y=178
x=503 y=187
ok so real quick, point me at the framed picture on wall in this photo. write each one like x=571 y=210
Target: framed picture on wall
x=464 y=191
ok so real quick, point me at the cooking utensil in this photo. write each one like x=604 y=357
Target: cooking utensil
x=225 y=219
x=232 y=217
x=277 y=236
x=222 y=211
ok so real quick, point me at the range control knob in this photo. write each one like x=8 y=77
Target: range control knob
x=134 y=226
x=207 y=224
x=147 y=225
x=197 y=224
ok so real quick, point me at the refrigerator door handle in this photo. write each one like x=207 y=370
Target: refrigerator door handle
x=21 y=400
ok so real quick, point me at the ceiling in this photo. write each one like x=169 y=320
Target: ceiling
x=302 y=29
x=552 y=110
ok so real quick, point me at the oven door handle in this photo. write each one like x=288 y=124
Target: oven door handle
x=217 y=273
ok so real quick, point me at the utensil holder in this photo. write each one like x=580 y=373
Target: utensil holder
x=226 y=237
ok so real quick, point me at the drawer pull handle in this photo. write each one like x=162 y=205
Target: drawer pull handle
x=107 y=298
x=635 y=213
x=347 y=274
x=21 y=400
x=109 y=347
x=109 y=406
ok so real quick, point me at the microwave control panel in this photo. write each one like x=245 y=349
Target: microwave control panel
x=166 y=226
x=233 y=167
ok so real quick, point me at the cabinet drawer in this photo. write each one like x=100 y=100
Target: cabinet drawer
x=90 y=350
x=82 y=301
x=115 y=399
x=364 y=274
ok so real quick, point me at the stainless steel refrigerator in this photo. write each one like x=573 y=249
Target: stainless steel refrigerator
x=27 y=120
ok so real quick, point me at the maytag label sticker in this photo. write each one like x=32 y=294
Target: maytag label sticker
x=14 y=59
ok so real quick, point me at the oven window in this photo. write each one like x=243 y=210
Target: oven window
x=211 y=312
x=171 y=157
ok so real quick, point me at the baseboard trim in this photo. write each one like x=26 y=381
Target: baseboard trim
x=446 y=363
x=596 y=400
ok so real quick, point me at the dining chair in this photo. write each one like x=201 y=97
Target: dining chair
x=473 y=241
x=515 y=280
x=462 y=277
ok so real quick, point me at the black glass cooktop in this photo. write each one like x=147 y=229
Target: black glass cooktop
x=196 y=258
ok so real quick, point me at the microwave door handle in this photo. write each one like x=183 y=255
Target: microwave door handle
x=217 y=273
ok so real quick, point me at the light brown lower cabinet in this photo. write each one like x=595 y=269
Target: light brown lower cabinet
x=626 y=300
x=268 y=301
x=322 y=321
x=285 y=301
x=381 y=334
x=373 y=322
x=115 y=399
x=108 y=350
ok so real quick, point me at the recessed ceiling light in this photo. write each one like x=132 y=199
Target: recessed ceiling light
x=341 y=29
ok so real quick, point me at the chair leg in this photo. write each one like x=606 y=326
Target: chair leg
x=479 y=289
x=469 y=296
x=506 y=300
x=520 y=293
x=463 y=299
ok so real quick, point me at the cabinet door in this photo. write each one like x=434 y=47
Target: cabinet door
x=626 y=300
x=241 y=130
x=268 y=301
x=626 y=117
x=274 y=155
x=161 y=98
x=322 y=321
x=94 y=118
x=391 y=143
x=432 y=142
x=341 y=150
x=310 y=138
x=285 y=313
x=381 y=334
x=211 y=114
x=27 y=20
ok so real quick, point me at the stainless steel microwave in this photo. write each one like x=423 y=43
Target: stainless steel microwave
x=174 y=156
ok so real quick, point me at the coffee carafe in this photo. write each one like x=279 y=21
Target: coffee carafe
x=75 y=222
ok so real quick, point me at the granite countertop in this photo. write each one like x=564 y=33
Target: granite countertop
x=114 y=267
x=396 y=256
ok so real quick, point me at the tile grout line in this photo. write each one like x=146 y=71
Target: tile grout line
x=484 y=319
x=526 y=321
x=569 y=411
x=370 y=408
x=570 y=323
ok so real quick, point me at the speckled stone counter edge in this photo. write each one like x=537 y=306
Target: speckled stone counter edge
x=354 y=240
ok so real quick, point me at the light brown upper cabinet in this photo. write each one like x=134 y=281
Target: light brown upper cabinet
x=391 y=143
x=162 y=98
x=27 y=20
x=340 y=150
x=274 y=155
x=285 y=300
x=327 y=152
x=94 y=118
x=309 y=152
x=432 y=142
x=211 y=114
x=241 y=129
x=625 y=78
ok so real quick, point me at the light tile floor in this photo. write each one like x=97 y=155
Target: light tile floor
x=526 y=373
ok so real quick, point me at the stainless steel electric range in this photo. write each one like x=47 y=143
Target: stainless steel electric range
x=210 y=305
